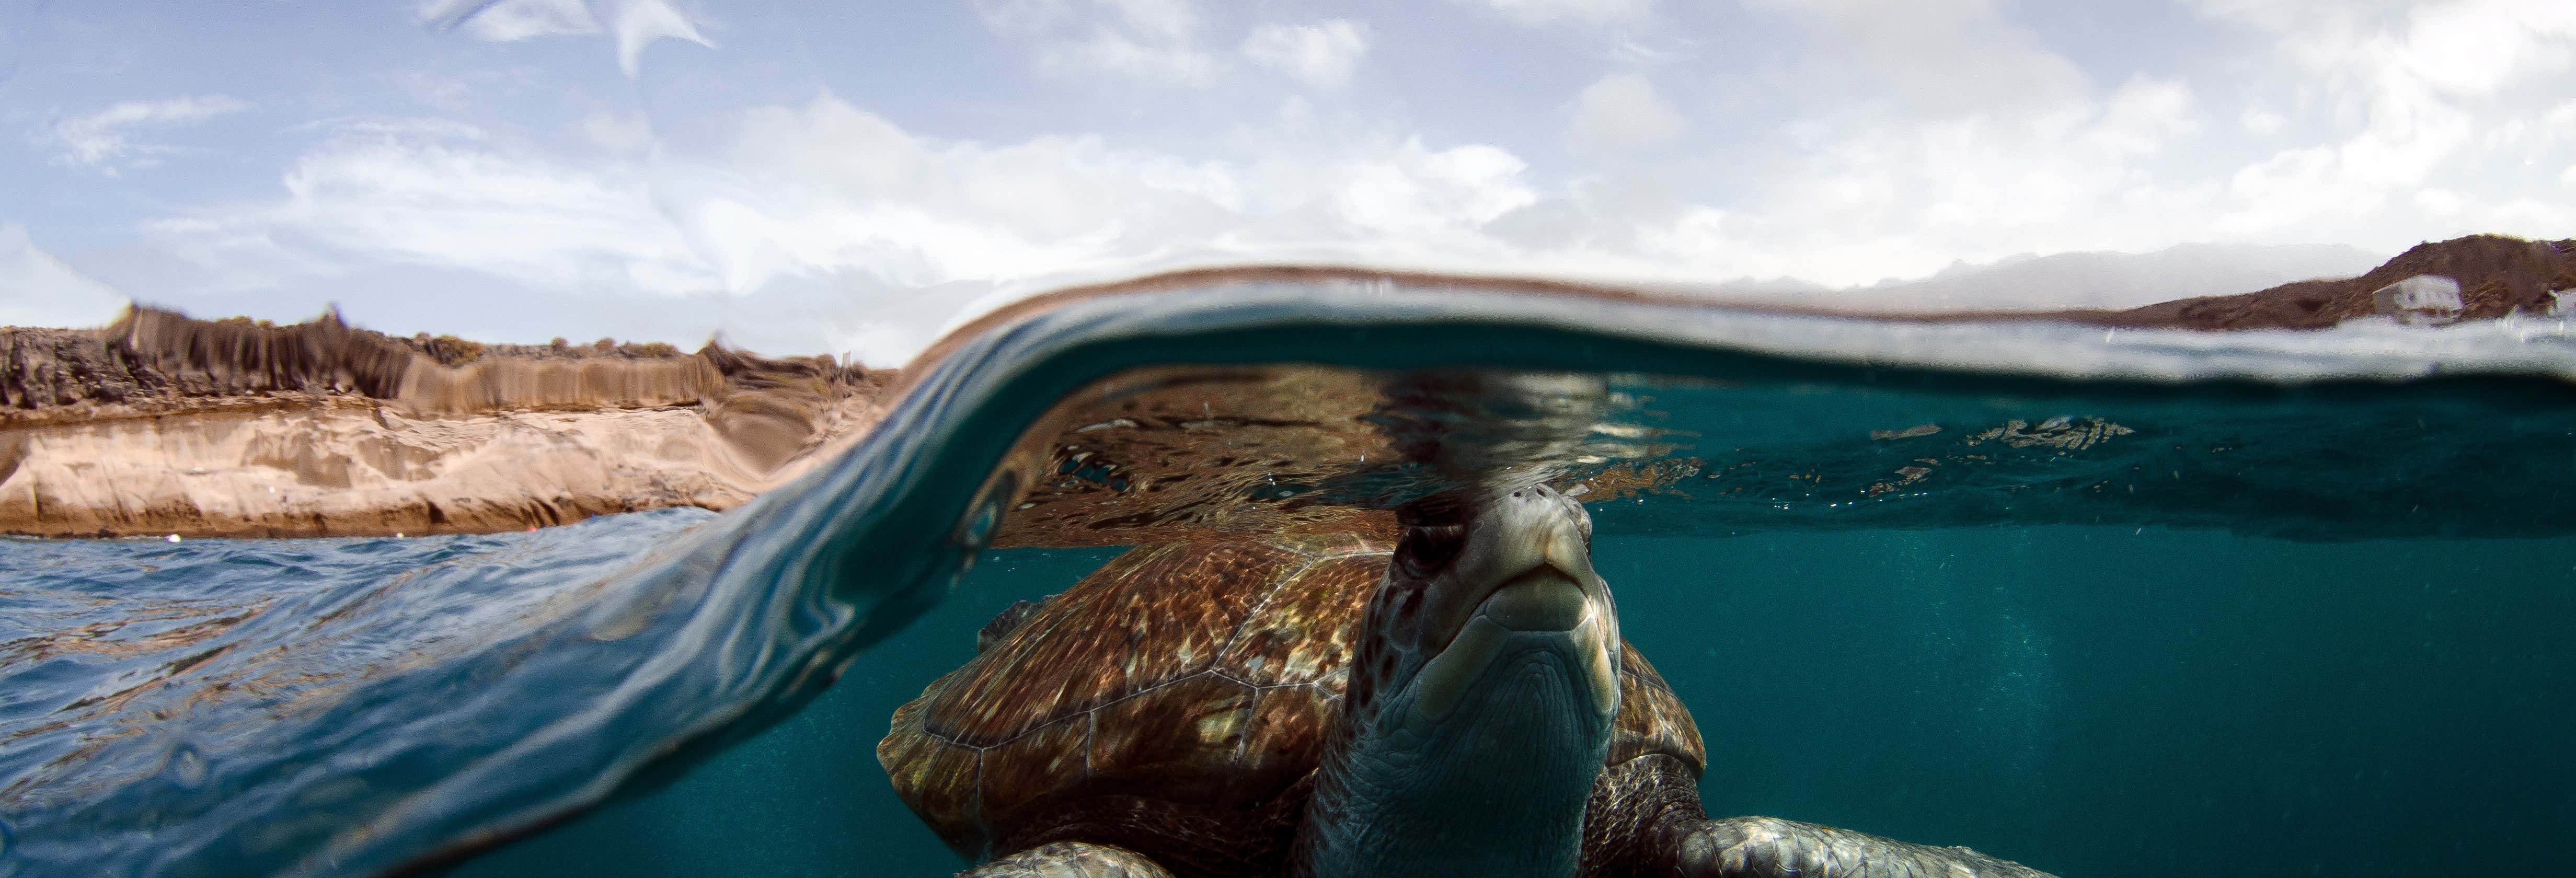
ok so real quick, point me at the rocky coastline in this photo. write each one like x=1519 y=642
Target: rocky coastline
x=162 y=424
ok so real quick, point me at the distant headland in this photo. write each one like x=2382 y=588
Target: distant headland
x=2496 y=276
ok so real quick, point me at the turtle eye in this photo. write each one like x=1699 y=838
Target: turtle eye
x=1427 y=549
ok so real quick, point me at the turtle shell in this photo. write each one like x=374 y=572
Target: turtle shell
x=1175 y=702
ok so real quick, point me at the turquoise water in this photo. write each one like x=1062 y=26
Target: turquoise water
x=807 y=796
x=2093 y=701
x=2145 y=605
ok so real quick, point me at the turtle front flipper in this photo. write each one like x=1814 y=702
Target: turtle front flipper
x=1070 y=859
x=1645 y=819
x=1769 y=847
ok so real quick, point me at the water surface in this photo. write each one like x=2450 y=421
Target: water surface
x=2109 y=604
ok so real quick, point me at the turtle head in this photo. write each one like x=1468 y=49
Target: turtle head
x=1490 y=603
x=1481 y=698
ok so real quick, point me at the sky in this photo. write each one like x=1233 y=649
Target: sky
x=805 y=177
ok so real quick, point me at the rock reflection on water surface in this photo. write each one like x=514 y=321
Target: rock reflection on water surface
x=1172 y=453
x=1178 y=453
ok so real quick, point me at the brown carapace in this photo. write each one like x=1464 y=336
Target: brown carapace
x=1176 y=701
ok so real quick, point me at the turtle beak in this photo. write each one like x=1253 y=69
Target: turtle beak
x=1523 y=581
x=1525 y=565
x=1555 y=593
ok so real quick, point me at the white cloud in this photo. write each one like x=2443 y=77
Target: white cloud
x=876 y=342
x=1152 y=42
x=638 y=23
x=2261 y=122
x=2560 y=121
x=103 y=141
x=2144 y=115
x=1539 y=13
x=412 y=198
x=2398 y=98
x=1929 y=58
x=1112 y=53
x=1321 y=54
x=1414 y=190
x=2439 y=202
x=2476 y=47
x=1913 y=135
x=1873 y=140
x=2290 y=187
x=1856 y=196
x=633 y=24
x=827 y=193
x=852 y=191
x=392 y=126
x=1623 y=111
x=2286 y=15
x=37 y=289
x=1172 y=20
x=2531 y=216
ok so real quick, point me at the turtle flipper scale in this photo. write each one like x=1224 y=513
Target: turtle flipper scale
x=1070 y=859
x=1769 y=847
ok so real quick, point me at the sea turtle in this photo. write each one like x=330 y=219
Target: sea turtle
x=1323 y=706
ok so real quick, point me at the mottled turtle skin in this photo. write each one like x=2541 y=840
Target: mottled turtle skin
x=1178 y=701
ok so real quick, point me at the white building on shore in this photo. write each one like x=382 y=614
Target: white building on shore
x=2423 y=299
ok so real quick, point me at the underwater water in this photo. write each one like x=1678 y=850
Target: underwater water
x=2092 y=701
x=2146 y=605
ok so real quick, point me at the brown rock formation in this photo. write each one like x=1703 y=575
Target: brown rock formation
x=166 y=424
x=2497 y=275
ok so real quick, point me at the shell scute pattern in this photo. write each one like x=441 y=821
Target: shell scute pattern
x=1192 y=674
x=1052 y=756
x=1201 y=672
x=1284 y=739
x=1306 y=631
x=1103 y=640
x=1177 y=742
x=935 y=777
x=1651 y=718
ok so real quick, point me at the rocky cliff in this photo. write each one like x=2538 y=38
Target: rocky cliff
x=165 y=424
